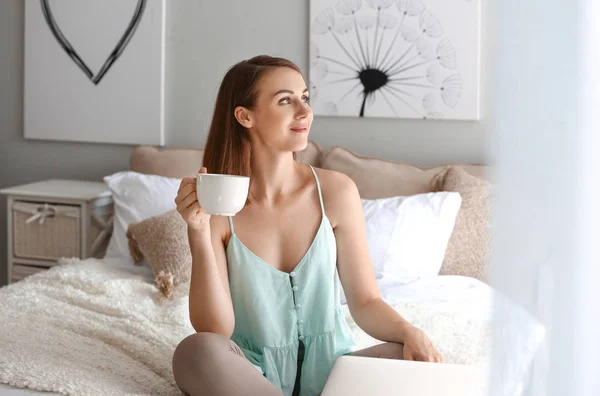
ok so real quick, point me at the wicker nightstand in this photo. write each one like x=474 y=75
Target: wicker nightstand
x=55 y=218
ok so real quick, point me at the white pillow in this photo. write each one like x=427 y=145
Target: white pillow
x=137 y=197
x=420 y=227
x=407 y=236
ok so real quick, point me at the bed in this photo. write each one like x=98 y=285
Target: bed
x=102 y=327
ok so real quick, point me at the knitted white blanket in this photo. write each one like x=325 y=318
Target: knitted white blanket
x=82 y=328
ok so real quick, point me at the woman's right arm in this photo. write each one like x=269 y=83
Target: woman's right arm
x=210 y=304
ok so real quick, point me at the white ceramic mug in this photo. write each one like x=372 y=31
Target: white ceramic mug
x=222 y=195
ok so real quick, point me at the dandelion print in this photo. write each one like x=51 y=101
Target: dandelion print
x=394 y=58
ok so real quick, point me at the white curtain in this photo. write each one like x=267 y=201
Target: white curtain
x=544 y=117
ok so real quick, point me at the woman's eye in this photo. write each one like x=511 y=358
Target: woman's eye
x=305 y=99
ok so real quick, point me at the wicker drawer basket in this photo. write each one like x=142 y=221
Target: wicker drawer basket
x=47 y=232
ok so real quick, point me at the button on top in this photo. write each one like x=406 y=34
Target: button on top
x=301 y=337
x=300 y=321
x=295 y=288
x=298 y=306
x=292 y=274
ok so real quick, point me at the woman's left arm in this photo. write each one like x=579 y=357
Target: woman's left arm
x=369 y=311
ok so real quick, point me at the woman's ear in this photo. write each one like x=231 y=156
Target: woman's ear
x=243 y=116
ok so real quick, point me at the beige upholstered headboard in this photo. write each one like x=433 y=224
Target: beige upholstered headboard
x=179 y=163
x=374 y=177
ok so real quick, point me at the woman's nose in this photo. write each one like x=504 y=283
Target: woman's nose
x=303 y=111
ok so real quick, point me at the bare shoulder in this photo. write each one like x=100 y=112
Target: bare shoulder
x=340 y=194
x=334 y=181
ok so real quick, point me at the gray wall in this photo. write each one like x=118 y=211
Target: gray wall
x=230 y=31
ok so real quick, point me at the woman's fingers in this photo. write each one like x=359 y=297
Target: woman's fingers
x=187 y=201
x=186 y=181
x=184 y=193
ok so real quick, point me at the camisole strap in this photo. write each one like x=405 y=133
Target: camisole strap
x=318 y=189
x=231 y=225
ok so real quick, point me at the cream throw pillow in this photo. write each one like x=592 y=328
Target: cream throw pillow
x=163 y=241
x=469 y=247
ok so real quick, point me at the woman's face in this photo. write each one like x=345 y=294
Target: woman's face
x=282 y=116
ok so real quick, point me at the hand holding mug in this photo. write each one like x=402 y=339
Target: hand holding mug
x=188 y=206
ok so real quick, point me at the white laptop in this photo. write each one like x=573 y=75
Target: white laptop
x=366 y=376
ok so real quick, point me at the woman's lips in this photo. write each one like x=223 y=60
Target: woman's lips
x=300 y=129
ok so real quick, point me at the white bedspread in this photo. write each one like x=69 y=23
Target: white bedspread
x=87 y=328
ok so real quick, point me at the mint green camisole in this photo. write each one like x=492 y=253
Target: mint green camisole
x=290 y=325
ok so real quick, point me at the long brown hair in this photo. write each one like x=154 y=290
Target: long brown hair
x=227 y=148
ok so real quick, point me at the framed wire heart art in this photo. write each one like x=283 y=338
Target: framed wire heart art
x=95 y=71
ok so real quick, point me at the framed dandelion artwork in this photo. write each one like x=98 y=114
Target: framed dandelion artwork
x=395 y=58
x=95 y=71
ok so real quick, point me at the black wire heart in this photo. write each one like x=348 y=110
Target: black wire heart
x=114 y=55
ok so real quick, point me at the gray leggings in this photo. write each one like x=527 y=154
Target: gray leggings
x=229 y=373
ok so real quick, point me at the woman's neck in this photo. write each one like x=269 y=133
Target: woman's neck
x=274 y=176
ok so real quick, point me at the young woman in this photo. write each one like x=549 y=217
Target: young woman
x=264 y=296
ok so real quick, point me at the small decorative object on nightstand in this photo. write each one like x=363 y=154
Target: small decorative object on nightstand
x=55 y=218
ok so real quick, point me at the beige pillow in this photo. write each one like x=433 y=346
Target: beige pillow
x=377 y=178
x=162 y=240
x=469 y=247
